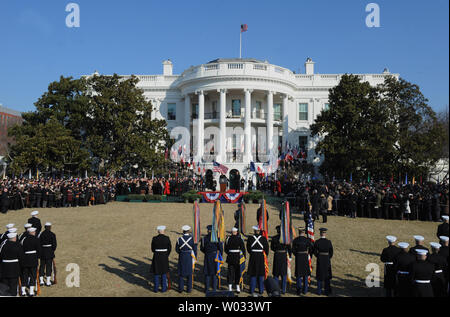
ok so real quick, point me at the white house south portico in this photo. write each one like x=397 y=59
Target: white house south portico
x=238 y=111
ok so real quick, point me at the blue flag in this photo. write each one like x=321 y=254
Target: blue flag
x=252 y=167
x=406 y=179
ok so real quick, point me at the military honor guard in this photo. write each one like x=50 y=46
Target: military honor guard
x=438 y=281
x=281 y=252
x=161 y=248
x=187 y=253
x=443 y=240
x=256 y=245
x=422 y=272
x=443 y=228
x=302 y=248
x=35 y=221
x=32 y=252
x=234 y=245
x=419 y=245
x=4 y=236
x=323 y=250
x=48 y=243
x=11 y=256
x=402 y=265
x=387 y=257
x=209 y=249
x=25 y=233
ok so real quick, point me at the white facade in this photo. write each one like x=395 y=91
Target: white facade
x=270 y=102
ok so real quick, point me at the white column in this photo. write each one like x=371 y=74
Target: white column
x=187 y=111
x=269 y=122
x=201 y=121
x=247 y=126
x=222 y=126
x=285 y=120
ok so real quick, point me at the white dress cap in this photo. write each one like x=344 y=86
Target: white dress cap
x=12 y=230
x=161 y=228
x=28 y=225
x=35 y=213
x=186 y=228
x=419 y=238
x=11 y=235
x=443 y=238
x=391 y=239
x=9 y=226
x=31 y=229
x=403 y=245
x=421 y=251
x=255 y=228
x=234 y=229
x=435 y=245
x=48 y=224
x=445 y=218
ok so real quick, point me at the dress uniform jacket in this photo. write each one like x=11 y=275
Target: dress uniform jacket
x=36 y=223
x=387 y=257
x=233 y=245
x=402 y=265
x=281 y=252
x=22 y=236
x=184 y=247
x=210 y=250
x=256 y=244
x=161 y=248
x=442 y=230
x=323 y=250
x=11 y=257
x=302 y=247
x=48 y=244
x=32 y=251
x=422 y=272
x=439 y=280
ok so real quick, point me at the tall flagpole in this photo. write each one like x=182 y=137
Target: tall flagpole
x=240 y=43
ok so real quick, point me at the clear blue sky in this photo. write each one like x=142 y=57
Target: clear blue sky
x=135 y=36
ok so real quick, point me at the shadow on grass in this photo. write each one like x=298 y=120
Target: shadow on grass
x=365 y=252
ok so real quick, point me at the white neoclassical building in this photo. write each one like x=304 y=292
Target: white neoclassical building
x=244 y=107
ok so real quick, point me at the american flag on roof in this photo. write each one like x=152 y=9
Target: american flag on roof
x=244 y=27
x=217 y=167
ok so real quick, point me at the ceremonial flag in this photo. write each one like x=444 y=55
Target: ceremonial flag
x=197 y=233
x=289 y=271
x=219 y=263
x=218 y=223
x=414 y=180
x=262 y=221
x=217 y=167
x=286 y=225
x=310 y=233
x=351 y=177
x=406 y=179
x=266 y=266
x=252 y=167
x=368 y=178
x=242 y=268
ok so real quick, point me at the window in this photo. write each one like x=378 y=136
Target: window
x=236 y=108
x=303 y=112
x=172 y=111
x=195 y=111
x=326 y=106
x=214 y=110
x=277 y=111
x=258 y=108
x=303 y=144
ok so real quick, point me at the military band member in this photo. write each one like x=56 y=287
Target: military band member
x=421 y=274
x=419 y=245
x=281 y=252
x=184 y=247
x=402 y=265
x=48 y=243
x=35 y=221
x=25 y=233
x=233 y=246
x=443 y=228
x=256 y=245
x=11 y=256
x=438 y=282
x=32 y=252
x=161 y=248
x=4 y=236
x=209 y=268
x=387 y=257
x=301 y=248
x=323 y=250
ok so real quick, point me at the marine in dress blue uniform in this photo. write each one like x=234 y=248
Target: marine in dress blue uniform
x=301 y=248
x=323 y=250
x=184 y=247
x=161 y=248
x=387 y=257
x=256 y=244
x=209 y=268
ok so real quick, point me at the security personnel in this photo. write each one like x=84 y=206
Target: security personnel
x=32 y=252
x=281 y=252
x=161 y=248
x=25 y=233
x=419 y=245
x=302 y=247
x=35 y=222
x=421 y=274
x=256 y=245
x=4 y=236
x=11 y=256
x=48 y=244
x=387 y=257
x=323 y=250
x=234 y=245
x=443 y=228
x=186 y=250
x=402 y=265
x=438 y=282
x=209 y=268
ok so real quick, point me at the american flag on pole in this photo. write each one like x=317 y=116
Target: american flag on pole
x=310 y=232
x=217 y=167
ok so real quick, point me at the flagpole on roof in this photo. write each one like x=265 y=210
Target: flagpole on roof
x=240 y=43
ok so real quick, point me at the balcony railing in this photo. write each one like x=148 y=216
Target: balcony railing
x=235 y=157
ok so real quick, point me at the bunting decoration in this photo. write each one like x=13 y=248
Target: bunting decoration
x=197 y=233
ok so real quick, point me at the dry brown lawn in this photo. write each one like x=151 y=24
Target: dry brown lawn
x=111 y=245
